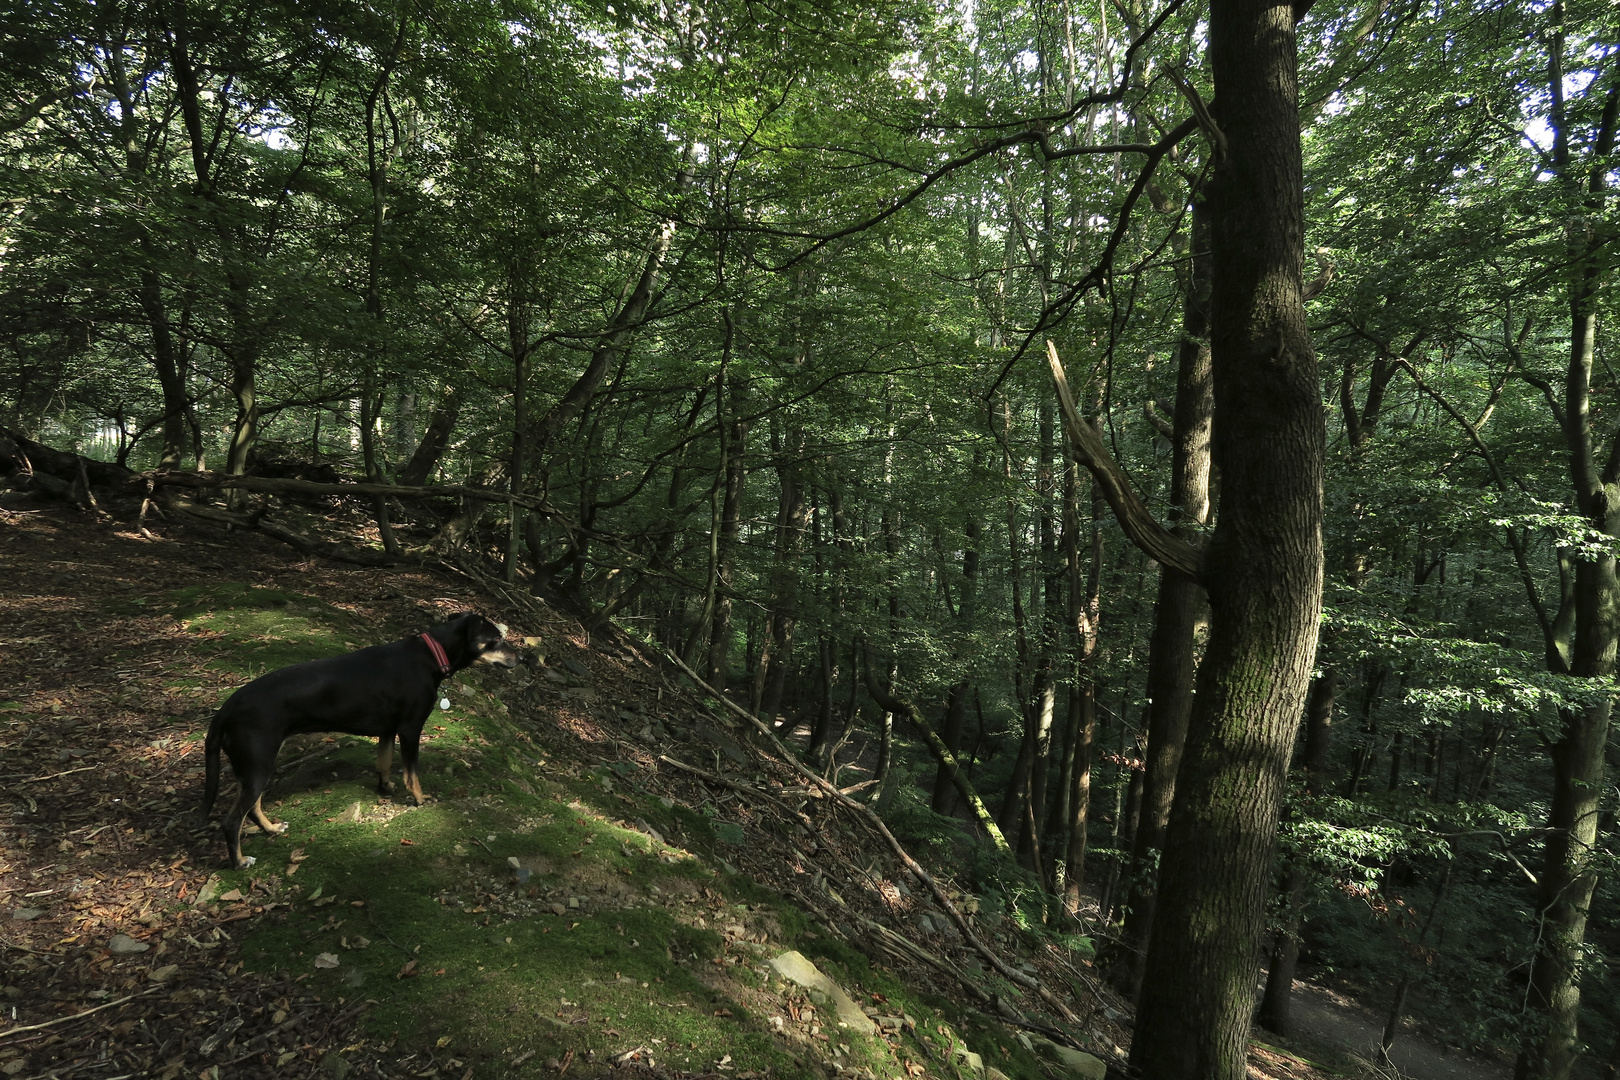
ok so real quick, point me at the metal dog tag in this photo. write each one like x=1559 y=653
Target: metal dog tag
x=444 y=703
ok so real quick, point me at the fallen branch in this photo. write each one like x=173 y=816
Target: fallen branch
x=75 y=1016
x=257 y=520
x=942 y=754
x=281 y=485
x=1003 y=969
x=899 y=942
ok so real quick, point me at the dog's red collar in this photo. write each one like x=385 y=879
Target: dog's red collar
x=438 y=653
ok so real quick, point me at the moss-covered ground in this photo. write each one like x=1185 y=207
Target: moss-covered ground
x=531 y=917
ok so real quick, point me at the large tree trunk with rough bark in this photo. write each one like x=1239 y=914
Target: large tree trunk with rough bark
x=1263 y=567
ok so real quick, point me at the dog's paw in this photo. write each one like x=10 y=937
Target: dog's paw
x=385 y=788
x=247 y=861
x=279 y=827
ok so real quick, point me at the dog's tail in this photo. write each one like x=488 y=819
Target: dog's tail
x=211 y=746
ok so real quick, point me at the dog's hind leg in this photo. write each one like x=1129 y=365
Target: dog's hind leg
x=274 y=828
x=247 y=801
x=385 y=762
x=409 y=744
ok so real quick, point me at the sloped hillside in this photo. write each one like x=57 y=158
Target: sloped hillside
x=613 y=872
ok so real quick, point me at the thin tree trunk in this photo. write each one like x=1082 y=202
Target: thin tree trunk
x=719 y=663
x=435 y=439
x=1275 y=1012
x=1569 y=877
x=1180 y=609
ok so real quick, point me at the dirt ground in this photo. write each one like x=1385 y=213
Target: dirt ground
x=1324 y=1016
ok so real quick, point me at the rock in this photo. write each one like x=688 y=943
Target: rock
x=351 y=816
x=974 y=1062
x=726 y=743
x=27 y=914
x=512 y=861
x=209 y=892
x=164 y=973
x=793 y=967
x=335 y=1065
x=993 y=1073
x=559 y=909
x=326 y=960
x=123 y=943
x=643 y=827
x=1074 y=1063
x=579 y=669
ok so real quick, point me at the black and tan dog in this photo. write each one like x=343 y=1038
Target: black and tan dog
x=386 y=690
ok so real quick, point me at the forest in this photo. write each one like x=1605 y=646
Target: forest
x=1164 y=454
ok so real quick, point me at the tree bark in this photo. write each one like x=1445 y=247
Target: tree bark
x=1265 y=567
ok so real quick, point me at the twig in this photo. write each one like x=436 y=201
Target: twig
x=75 y=1016
x=54 y=776
x=715 y=778
x=372 y=919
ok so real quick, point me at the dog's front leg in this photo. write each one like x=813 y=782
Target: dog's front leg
x=385 y=763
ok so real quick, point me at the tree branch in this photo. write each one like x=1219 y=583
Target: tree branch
x=1087 y=448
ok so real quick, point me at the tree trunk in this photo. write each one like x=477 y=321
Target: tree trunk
x=792 y=516
x=435 y=439
x=1265 y=567
x=1180 y=608
x=1275 y=1005
x=719 y=663
x=1568 y=877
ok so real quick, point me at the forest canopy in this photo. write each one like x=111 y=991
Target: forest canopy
x=735 y=327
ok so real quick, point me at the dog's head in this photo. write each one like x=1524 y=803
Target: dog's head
x=485 y=641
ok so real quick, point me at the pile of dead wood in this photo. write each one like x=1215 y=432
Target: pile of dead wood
x=30 y=466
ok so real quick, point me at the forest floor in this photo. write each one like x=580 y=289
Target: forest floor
x=604 y=868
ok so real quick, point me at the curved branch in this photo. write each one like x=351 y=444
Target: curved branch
x=1086 y=446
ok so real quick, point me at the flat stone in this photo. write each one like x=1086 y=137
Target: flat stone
x=576 y=667
x=352 y=815
x=1074 y=1063
x=123 y=943
x=164 y=973
x=210 y=890
x=27 y=914
x=793 y=967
